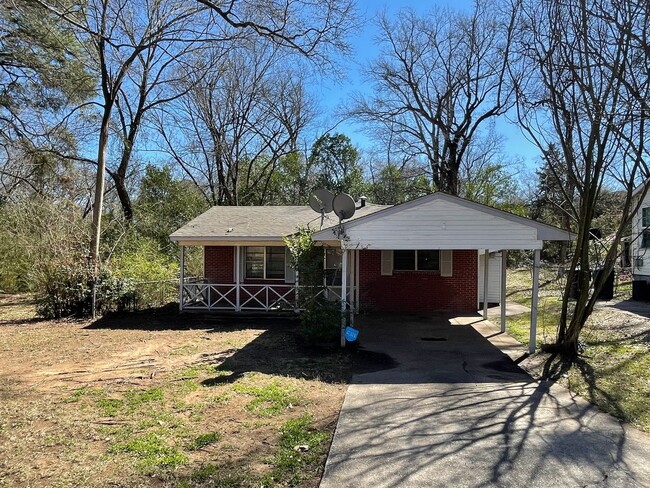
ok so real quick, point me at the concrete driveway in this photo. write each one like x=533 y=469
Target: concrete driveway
x=456 y=411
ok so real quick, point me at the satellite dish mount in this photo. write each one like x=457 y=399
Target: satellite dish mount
x=321 y=201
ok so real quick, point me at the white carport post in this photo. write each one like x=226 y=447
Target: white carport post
x=504 y=262
x=237 y=275
x=180 y=288
x=356 y=280
x=486 y=267
x=344 y=285
x=353 y=284
x=533 y=304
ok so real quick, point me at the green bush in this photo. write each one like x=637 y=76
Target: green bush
x=321 y=322
x=67 y=291
x=155 y=277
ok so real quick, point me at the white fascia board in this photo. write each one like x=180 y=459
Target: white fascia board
x=520 y=245
x=234 y=241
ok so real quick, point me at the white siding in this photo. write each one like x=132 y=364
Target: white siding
x=638 y=252
x=440 y=224
x=494 y=278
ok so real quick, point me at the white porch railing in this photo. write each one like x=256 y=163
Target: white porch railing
x=229 y=296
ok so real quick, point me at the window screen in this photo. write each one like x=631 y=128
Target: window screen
x=403 y=260
x=254 y=262
x=429 y=260
x=421 y=260
x=275 y=262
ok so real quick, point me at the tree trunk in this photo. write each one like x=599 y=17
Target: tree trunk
x=123 y=195
x=99 y=188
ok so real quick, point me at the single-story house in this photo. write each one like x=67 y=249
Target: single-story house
x=424 y=255
x=640 y=241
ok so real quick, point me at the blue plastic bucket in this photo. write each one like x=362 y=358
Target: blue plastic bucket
x=351 y=334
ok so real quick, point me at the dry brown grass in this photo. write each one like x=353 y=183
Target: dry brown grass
x=154 y=399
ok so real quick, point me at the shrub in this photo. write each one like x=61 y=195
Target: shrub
x=321 y=321
x=155 y=278
x=67 y=291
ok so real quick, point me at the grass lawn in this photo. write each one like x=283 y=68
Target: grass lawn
x=162 y=399
x=613 y=372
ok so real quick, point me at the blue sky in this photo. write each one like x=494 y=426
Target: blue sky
x=331 y=94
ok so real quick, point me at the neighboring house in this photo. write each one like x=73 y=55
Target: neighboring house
x=419 y=256
x=640 y=239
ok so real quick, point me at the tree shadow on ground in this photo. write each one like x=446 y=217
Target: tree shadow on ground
x=169 y=318
x=281 y=350
x=633 y=306
x=278 y=350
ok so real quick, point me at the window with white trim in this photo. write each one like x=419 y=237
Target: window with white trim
x=645 y=224
x=265 y=262
x=416 y=260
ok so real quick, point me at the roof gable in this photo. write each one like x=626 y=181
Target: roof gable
x=442 y=221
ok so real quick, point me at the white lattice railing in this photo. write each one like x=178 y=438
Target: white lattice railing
x=212 y=296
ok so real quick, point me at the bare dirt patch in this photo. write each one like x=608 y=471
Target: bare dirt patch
x=159 y=398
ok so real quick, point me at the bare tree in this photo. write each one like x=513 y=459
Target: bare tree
x=243 y=111
x=145 y=88
x=118 y=32
x=122 y=31
x=439 y=79
x=315 y=29
x=583 y=71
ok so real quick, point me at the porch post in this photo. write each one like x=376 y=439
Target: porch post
x=504 y=261
x=237 y=274
x=533 y=304
x=296 y=293
x=357 y=279
x=352 y=285
x=180 y=288
x=486 y=267
x=344 y=285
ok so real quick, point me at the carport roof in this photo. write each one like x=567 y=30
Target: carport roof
x=442 y=221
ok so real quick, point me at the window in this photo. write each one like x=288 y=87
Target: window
x=404 y=260
x=275 y=263
x=254 y=262
x=422 y=260
x=333 y=265
x=645 y=240
x=429 y=260
x=645 y=220
x=265 y=262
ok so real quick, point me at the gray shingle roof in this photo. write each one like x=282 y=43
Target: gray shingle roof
x=257 y=222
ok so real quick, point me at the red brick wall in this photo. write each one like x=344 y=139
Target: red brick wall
x=218 y=264
x=418 y=291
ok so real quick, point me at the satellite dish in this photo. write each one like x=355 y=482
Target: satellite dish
x=343 y=206
x=321 y=200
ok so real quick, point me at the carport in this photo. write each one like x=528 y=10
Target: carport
x=440 y=402
x=457 y=229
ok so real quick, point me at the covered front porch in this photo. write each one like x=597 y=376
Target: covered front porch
x=249 y=289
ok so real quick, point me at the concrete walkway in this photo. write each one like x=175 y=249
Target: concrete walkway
x=456 y=411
